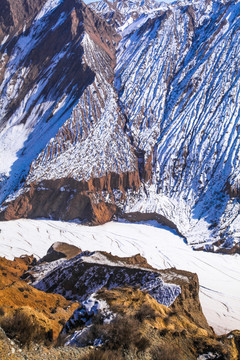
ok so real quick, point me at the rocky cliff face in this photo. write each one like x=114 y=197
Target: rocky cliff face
x=124 y=109
x=80 y=112
x=69 y=199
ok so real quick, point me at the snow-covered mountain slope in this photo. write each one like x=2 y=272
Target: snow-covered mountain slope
x=152 y=131
x=177 y=82
x=121 y=13
x=92 y=142
x=45 y=71
x=69 y=125
x=219 y=275
x=178 y=79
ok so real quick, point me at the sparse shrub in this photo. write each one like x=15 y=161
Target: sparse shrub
x=62 y=322
x=183 y=333
x=102 y=355
x=194 y=331
x=176 y=334
x=172 y=313
x=142 y=343
x=165 y=352
x=122 y=332
x=166 y=320
x=163 y=332
x=24 y=328
x=146 y=312
x=2 y=312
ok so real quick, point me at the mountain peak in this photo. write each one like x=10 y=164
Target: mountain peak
x=119 y=12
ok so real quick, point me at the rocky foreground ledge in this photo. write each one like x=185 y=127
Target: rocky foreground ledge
x=93 y=305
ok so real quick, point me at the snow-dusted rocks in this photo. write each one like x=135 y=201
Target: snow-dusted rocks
x=83 y=317
x=87 y=273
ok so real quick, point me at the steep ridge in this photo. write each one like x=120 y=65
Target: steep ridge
x=91 y=143
x=88 y=273
x=178 y=80
x=198 y=113
x=163 y=140
x=113 y=291
x=38 y=88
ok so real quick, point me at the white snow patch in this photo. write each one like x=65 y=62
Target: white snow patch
x=50 y=6
x=94 y=305
x=207 y=356
x=4 y=40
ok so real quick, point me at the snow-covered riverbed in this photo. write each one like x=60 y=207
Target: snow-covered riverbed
x=219 y=275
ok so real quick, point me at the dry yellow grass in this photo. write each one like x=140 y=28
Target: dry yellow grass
x=168 y=328
x=50 y=311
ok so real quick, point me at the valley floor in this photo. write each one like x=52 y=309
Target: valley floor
x=219 y=275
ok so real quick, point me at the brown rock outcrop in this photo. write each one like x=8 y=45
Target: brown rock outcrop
x=60 y=250
x=187 y=303
x=138 y=216
x=68 y=199
x=135 y=260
